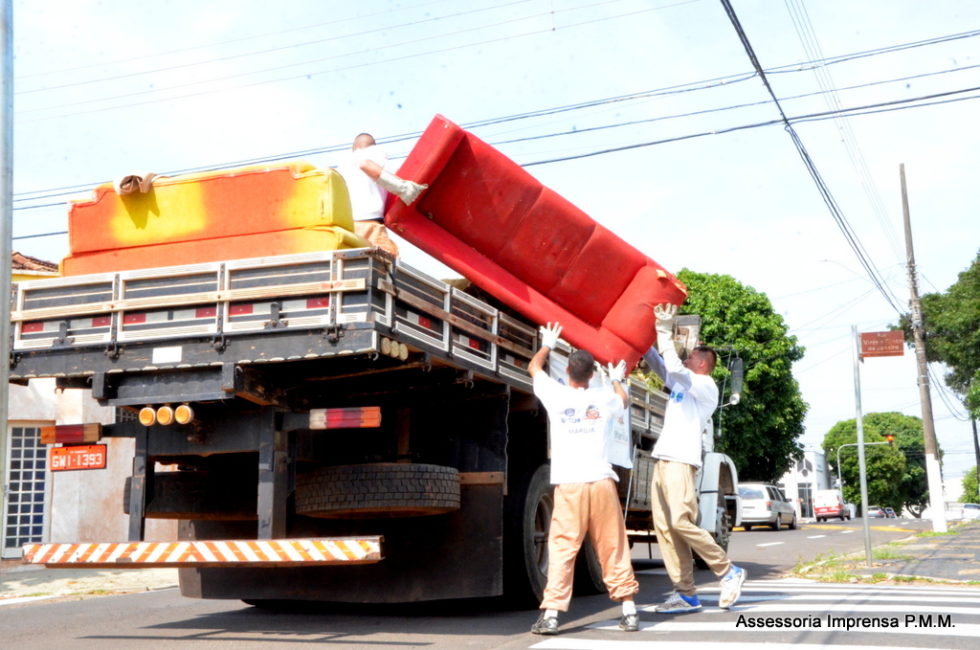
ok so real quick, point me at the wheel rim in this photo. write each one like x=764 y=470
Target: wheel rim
x=542 y=520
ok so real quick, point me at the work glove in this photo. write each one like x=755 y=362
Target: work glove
x=407 y=191
x=549 y=335
x=616 y=372
x=665 y=325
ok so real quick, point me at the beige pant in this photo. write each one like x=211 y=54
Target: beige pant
x=675 y=516
x=377 y=235
x=593 y=509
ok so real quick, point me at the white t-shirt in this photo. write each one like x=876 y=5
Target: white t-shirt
x=367 y=198
x=693 y=398
x=578 y=427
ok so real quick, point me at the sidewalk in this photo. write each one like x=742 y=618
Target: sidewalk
x=21 y=582
x=953 y=558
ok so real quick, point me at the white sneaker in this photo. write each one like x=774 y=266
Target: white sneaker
x=731 y=587
x=678 y=604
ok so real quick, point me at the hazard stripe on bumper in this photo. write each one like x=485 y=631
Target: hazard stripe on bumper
x=208 y=553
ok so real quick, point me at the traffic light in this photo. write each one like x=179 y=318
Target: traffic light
x=890 y=438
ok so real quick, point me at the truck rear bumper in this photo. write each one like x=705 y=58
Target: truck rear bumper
x=209 y=553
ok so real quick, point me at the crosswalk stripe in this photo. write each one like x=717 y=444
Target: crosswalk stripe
x=716 y=627
x=837 y=597
x=586 y=644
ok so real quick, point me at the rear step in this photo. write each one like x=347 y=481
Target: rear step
x=208 y=553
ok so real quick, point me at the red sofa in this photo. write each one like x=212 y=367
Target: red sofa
x=488 y=219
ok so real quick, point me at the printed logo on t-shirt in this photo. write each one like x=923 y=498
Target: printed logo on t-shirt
x=571 y=417
x=677 y=396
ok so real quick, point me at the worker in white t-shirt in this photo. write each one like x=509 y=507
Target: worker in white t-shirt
x=693 y=398
x=368 y=183
x=586 y=500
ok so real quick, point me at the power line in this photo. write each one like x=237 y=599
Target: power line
x=103 y=64
x=861 y=110
x=822 y=187
x=289 y=46
x=366 y=52
x=789 y=68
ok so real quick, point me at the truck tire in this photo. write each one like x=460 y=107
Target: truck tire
x=721 y=536
x=377 y=490
x=527 y=516
x=588 y=571
x=193 y=495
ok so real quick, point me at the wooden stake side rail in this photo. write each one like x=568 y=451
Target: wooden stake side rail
x=208 y=553
x=324 y=291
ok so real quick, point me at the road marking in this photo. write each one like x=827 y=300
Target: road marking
x=769 y=544
x=846 y=532
x=717 y=627
x=815 y=536
x=596 y=644
x=775 y=598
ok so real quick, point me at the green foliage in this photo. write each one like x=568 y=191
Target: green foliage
x=972 y=400
x=951 y=322
x=970 y=487
x=760 y=433
x=896 y=473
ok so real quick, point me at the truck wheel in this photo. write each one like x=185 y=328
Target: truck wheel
x=193 y=495
x=375 y=490
x=588 y=571
x=721 y=536
x=527 y=516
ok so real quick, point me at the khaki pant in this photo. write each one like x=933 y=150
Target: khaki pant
x=675 y=516
x=593 y=509
x=377 y=235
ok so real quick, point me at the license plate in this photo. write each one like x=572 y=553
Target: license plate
x=77 y=457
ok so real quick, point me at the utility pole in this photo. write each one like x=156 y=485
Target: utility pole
x=862 y=465
x=6 y=225
x=976 y=453
x=933 y=474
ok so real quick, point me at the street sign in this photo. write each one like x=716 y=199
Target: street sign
x=77 y=457
x=882 y=344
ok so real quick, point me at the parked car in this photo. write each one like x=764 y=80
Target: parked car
x=889 y=513
x=828 y=504
x=970 y=511
x=764 y=504
x=876 y=512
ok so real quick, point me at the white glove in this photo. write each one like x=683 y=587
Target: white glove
x=665 y=325
x=549 y=335
x=407 y=191
x=616 y=372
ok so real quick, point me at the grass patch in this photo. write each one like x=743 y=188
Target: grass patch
x=889 y=552
x=929 y=533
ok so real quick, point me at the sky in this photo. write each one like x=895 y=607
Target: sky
x=644 y=113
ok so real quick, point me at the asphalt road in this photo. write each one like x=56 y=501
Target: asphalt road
x=164 y=619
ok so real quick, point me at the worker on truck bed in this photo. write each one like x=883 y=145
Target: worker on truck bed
x=368 y=183
x=693 y=398
x=586 y=498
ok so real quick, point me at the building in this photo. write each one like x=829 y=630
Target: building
x=803 y=479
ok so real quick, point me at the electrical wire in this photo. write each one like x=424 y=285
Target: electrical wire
x=849 y=235
x=288 y=46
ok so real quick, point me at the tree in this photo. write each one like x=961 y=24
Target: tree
x=896 y=474
x=761 y=432
x=971 y=492
x=951 y=323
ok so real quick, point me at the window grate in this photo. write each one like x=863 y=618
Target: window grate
x=27 y=466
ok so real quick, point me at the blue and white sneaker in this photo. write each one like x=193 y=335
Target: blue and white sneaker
x=678 y=604
x=731 y=587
